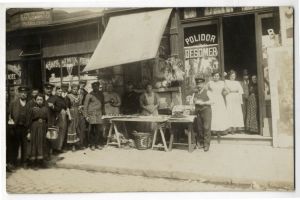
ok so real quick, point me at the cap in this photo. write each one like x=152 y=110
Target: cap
x=48 y=86
x=74 y=86
x=23 y=88
x=199 y=80
x=96 y=83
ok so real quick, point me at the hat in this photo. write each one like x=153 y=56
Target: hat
x=23 y=88
x=48 y=86
x=74 y=86
x=96 y=83
x=199 y=80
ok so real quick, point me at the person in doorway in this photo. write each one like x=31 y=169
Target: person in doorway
x=204 y=114
x=245 y=86
x=234 y=103
x=74 y=126
x=112 y=101
x=130 y=100
x=252 y=107
x=17 y=117
x=219 y=123
x=48 y=90
x=37 y=119
x=93 y=111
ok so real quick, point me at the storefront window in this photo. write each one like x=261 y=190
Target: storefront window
x=14 y=79
x=201 y=52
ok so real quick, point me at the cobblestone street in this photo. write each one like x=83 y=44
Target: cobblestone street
x=69 y=181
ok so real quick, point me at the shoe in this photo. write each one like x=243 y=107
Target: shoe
x=200 y=145
x=24 y=166
x=93 y=148
x=99 y=147
x=206 y=148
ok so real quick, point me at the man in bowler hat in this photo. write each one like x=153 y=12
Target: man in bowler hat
x=203 y=112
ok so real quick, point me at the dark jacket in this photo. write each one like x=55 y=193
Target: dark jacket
x=14 y=110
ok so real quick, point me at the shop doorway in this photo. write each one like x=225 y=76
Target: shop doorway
x=240 y=44
x=33 y=73
x=240 y=54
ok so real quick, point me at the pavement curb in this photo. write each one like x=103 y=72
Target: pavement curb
x=181 y=175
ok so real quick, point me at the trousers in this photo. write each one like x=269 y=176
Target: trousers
x=19 y=140
x=203 y=124
x=95 y=134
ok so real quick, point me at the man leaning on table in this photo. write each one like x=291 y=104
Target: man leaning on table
x=203 y=111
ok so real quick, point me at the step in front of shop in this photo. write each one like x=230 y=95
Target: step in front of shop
x=243 y=139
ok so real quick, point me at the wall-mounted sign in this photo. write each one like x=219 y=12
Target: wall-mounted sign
x=30 y=19
x=14 y=73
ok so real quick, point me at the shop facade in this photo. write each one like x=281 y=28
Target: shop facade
x=47 y=46
x=194 y=42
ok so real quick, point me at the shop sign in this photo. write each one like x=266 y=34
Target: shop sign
x=30 y=19
x=14 y=73
x=206 y=38
x=201 y=51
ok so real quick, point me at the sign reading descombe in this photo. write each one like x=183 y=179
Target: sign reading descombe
x=201 y=51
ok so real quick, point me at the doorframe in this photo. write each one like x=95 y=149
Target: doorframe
x=260 y=70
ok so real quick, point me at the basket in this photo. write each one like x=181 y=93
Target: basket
x=142 y=141
x=52 y=133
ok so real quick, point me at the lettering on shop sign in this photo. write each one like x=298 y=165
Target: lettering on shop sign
x=203 y=38
x=201 y=51
x=12 y=76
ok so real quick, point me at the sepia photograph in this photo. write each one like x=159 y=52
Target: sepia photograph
x=149 y=99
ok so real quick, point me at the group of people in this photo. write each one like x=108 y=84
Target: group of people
x=68 y=117
x=225 y=106
x=70 y=113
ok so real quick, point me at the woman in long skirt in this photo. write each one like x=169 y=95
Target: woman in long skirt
x=234 y=103
x=74 y=125
x=37 y=123
x=219 y=122
x=252 y=108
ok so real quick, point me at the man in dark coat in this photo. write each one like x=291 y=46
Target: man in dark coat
x=17 y=118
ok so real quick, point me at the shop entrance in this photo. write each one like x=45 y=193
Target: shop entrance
x=240 y=54
x=33 y=74
x=240 y=44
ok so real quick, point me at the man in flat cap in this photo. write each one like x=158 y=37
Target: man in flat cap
x=93 y=111
x=17 y=117
x=203 y=111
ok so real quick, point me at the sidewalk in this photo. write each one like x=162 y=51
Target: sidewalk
x=260 y=166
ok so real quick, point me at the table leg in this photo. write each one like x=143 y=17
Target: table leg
x=163 y=138
x=171 y=138
x=117 y=134
x=109 y=133
x=125 y=130
x=154 y=138
x=190 y=129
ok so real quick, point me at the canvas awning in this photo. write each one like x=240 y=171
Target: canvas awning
x=130 y=38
